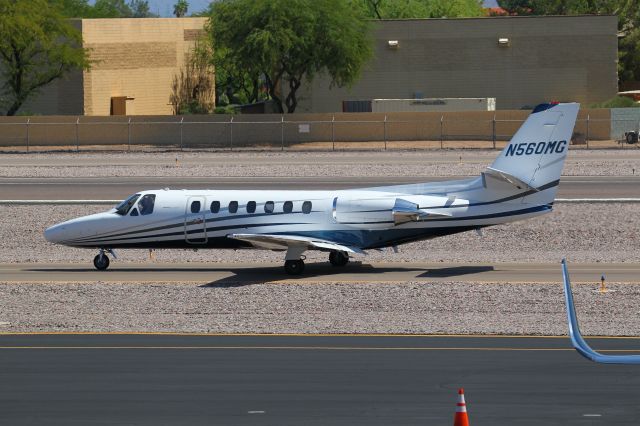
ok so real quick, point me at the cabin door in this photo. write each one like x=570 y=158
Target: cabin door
x=195 y=226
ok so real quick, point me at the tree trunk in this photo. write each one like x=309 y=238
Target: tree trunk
x=15 y=106
x=292 y=99
x=272 y=91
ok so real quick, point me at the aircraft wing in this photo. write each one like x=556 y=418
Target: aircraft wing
x=282 y=242
x=574 y=331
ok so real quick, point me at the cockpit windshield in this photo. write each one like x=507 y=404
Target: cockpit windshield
x=124 y=207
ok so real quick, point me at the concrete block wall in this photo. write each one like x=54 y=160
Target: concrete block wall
x=219 y=131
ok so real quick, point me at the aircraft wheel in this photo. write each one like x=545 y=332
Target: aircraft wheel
x=101 y=262
x=338 y=258
x=294 y=267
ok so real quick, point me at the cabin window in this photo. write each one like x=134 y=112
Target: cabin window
x=124 y=207
x=251 y=207
x=233 y=207
x=287 y=207
x=195 y=206
x=134 y=212
x=268 y=207
x=306 y=207
x=146 y=203
x=215 y=206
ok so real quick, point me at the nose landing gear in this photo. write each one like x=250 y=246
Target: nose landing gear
x=101 y=261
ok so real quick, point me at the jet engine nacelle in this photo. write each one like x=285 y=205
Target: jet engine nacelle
x=375 y=212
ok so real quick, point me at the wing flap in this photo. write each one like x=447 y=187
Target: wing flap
x=283 y=242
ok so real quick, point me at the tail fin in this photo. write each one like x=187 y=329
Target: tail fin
x=535 y=156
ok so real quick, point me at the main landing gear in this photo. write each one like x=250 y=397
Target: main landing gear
x=294 y=263
x=294 y=260
x=101 y=261
x=338 y=258
x=294 y=267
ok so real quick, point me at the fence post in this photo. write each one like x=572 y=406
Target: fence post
x=282 y=133
x=129 y=135
x=385 y=132
x=588 y=119
x=28 y=122
x=442 y=132
x=494 y=131
x=181 y=133
x=333 y=133
x=77 y=135
x=231 y=132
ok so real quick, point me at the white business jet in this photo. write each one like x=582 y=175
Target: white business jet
x=521 y=183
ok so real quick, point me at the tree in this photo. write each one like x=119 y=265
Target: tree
x=192 y=90
x=115 y=9
x=288 y=42
x=180 y=8
x=37 y=46
x=406 y=9
x=111 y=9
x=140 y=9
x=75 y=8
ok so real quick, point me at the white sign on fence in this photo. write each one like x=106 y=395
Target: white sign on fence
x=303 y=128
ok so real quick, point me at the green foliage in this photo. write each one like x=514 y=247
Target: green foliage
x=408 y=9
x=37 y=46
x=617 y=102
x=192 y=91
x=180 y=8
x=227 y=109
x=140 y=9
x=75 y=8
x=286 y=42
x=111 y=9
x=105 y=9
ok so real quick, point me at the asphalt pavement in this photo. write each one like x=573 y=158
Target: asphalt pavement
x=114 y=188
x=321 y=272
x=87 y=379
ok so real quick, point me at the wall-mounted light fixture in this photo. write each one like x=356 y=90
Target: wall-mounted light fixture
x=393 y=44
x=504 y=42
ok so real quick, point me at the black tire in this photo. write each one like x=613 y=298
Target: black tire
x=338 y=258
x=629 y=138
x=101 y=262
x=293 y=267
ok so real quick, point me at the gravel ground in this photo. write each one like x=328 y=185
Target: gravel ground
x=436 y=163
x=582 y=232
x=452 y=307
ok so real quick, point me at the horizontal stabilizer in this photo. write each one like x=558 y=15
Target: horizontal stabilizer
x=509 y=178
x=406 y=211
x=283 y=242
x=574 y=331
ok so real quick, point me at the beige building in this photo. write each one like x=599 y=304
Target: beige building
x=520 y=61
x=135 y=64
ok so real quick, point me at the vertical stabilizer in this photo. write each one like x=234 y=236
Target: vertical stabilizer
x=534 y=157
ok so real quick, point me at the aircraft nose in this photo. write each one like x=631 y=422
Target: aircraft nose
x=55 y=234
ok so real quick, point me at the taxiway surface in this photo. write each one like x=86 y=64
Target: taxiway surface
x=310 y=379
x=114 y=188
x=321 y=272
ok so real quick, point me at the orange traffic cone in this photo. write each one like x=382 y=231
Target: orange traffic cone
x=461 y=418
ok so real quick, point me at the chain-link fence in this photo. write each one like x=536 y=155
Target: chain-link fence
x=328 y=132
